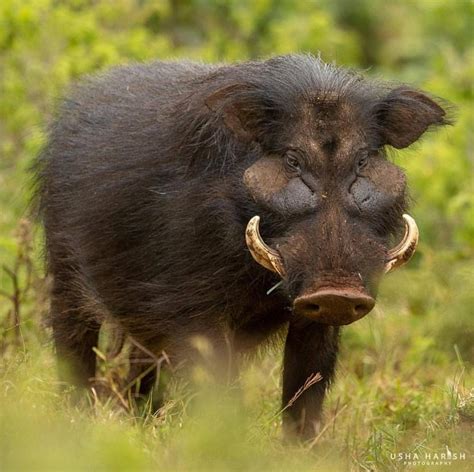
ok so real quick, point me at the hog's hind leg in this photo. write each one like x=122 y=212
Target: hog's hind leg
x=75 y=334
x=142 y=376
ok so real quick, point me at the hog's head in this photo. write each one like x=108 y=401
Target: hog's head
x=330 y=203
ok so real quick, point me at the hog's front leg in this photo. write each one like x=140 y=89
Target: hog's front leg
x=310 y=348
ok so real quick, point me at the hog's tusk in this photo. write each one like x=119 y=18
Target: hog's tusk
x=403 y=251
x=261 y=252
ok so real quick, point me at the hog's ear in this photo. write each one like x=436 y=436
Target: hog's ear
x=405 y=114
x=235 y=105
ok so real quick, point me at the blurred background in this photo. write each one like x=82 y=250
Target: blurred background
x=405 y=382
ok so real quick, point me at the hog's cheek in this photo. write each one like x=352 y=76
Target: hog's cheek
x=265 y=178
x=368 y=197
x=381 y=187
x=270 y=186
x=295 y=198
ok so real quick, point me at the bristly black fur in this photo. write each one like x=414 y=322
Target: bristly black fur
x=141 y=192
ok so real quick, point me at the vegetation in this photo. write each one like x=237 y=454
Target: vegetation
x=405 y=375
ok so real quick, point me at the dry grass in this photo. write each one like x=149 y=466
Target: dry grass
x=398 y=391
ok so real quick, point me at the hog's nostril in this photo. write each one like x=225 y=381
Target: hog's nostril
x=360 y=309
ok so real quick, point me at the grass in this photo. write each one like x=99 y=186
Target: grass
x=405 y=383
x=404 y=386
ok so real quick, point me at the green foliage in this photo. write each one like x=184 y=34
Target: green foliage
x=405 y=370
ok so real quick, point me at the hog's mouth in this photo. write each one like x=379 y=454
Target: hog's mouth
x=335 y=306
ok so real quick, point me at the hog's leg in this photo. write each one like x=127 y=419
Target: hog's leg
x=310 y=348
x=74 y=338
x=213 y=351
x=210 y=349
x=145 y=369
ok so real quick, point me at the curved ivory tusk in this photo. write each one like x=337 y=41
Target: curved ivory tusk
x=263 y=254
x=403 y=251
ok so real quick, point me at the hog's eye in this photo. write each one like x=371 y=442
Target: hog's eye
x=362 y=162
x=292 y=162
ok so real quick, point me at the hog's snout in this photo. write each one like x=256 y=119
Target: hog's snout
x=334 y=306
